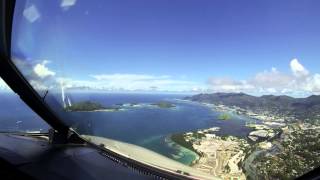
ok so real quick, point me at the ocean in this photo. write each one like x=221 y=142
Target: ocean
x=143 y=126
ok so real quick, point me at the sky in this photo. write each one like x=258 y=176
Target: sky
x=256 y=47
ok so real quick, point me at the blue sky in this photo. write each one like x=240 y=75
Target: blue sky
x=199 y=45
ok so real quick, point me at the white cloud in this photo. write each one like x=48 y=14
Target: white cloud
x=312 y=84
x=3 y=85
x=271 y=79
x=31 y=13
x=299 y=83
x=226 y=84
x=65 y=4
x=42 y=78
x=42 y=71
x=38 y=85
x=298 y=69
x=127 y=77
x=140 y=82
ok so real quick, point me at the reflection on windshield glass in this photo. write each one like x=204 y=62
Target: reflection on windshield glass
x=229 y=89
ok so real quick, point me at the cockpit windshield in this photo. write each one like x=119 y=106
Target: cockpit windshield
x=226 y=89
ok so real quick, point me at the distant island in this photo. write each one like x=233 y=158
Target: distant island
x=94 y=106
x=89 y=106
x=164 y=104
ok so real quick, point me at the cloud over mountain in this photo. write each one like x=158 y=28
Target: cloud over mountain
x=299 y=83
x=298 y=69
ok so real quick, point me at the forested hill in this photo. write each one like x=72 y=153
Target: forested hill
x=301 y=108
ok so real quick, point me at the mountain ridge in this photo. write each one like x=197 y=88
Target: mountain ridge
x=304 y=109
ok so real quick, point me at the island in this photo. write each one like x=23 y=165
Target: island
x=87 y=106
x=90 y=106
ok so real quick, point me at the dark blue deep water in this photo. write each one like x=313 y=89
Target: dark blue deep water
x=17 y=116
x=147 y=127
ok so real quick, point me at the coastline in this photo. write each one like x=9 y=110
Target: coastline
x=184 y=151
x=180 y=140
x=232 y=157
